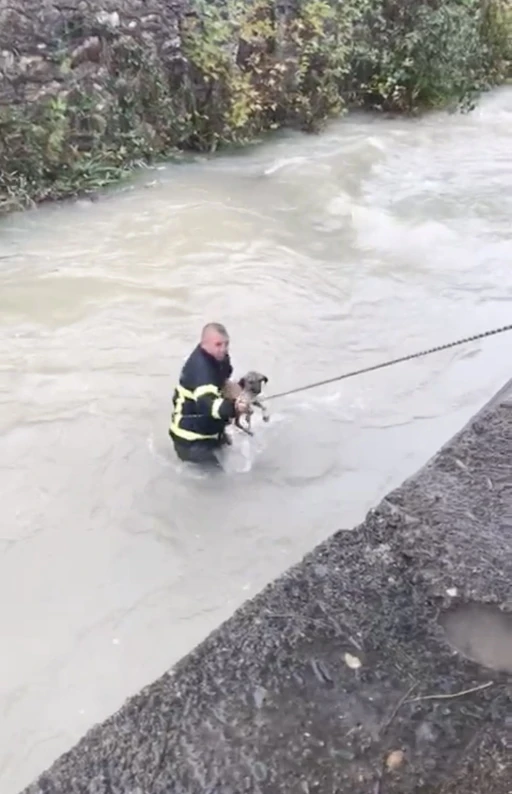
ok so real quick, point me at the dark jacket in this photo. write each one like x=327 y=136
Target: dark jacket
x=199 y=411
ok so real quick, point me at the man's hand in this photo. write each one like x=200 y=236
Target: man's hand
x=242 y=405
x=232 y=391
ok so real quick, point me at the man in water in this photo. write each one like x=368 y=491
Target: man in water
x=200 y=412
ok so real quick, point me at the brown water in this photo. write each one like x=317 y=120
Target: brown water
x=482 y=633
x=321 y=254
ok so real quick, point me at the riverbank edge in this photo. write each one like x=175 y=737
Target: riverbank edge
x=341 y=661
x=92 y=90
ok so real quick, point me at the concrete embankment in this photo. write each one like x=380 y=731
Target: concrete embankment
x=339 y=676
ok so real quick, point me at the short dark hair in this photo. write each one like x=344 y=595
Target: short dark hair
x=221 y=329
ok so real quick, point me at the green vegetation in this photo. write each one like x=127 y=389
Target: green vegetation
x=248 y=67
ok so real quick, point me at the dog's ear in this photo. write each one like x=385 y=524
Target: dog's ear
x=264 y=379
x=241 y=383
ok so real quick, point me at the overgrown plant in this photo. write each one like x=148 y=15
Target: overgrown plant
x=415 y=56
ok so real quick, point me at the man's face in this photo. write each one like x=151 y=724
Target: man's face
x=217 y=345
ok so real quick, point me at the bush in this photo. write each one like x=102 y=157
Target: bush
x=416 y=56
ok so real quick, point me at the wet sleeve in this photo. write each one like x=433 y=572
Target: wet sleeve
x=210 y=402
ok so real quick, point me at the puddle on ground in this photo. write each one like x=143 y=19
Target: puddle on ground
x=482 y=633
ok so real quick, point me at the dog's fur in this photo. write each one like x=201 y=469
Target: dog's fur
x=250 y=386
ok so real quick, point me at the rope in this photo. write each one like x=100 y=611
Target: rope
x=384 y=364
x=389 y=363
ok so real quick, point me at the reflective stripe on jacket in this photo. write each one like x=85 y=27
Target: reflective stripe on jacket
x=200 y=413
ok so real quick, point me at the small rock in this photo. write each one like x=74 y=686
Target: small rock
x=346 y=754
x=352 y=661
x=7 y=60
x=425 y=733
x=109 y=20
x=260 y=771
x=31 y=63
x=89 y=50
x=259 y=695
x=395 y=760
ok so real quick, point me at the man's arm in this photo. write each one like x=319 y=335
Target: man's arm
x=224 y=403
x=210 y=402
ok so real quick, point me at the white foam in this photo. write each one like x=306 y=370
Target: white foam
x=283 y=163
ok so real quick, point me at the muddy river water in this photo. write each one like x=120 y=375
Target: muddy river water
x=320 y=254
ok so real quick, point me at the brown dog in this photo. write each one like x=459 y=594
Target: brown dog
x=250 y=388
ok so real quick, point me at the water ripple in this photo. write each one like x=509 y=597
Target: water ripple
x=321 y=254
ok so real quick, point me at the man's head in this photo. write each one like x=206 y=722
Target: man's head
x=215 y=340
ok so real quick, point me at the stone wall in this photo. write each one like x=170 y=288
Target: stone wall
x=70 y=73
x=47 y=47
x=381 y=664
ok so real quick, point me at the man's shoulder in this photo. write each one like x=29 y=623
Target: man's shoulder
x=200 y=368
x=192 y=356
x=195 y=367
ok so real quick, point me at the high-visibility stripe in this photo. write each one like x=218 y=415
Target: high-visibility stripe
x=185 y=394
x=177 y=416
x=216 y=406
x=209 y=388
x=188 y=435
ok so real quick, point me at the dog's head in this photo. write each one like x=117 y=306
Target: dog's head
x=253 y=382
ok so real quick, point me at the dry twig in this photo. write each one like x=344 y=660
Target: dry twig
x=400 y=703
x=449 y=696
